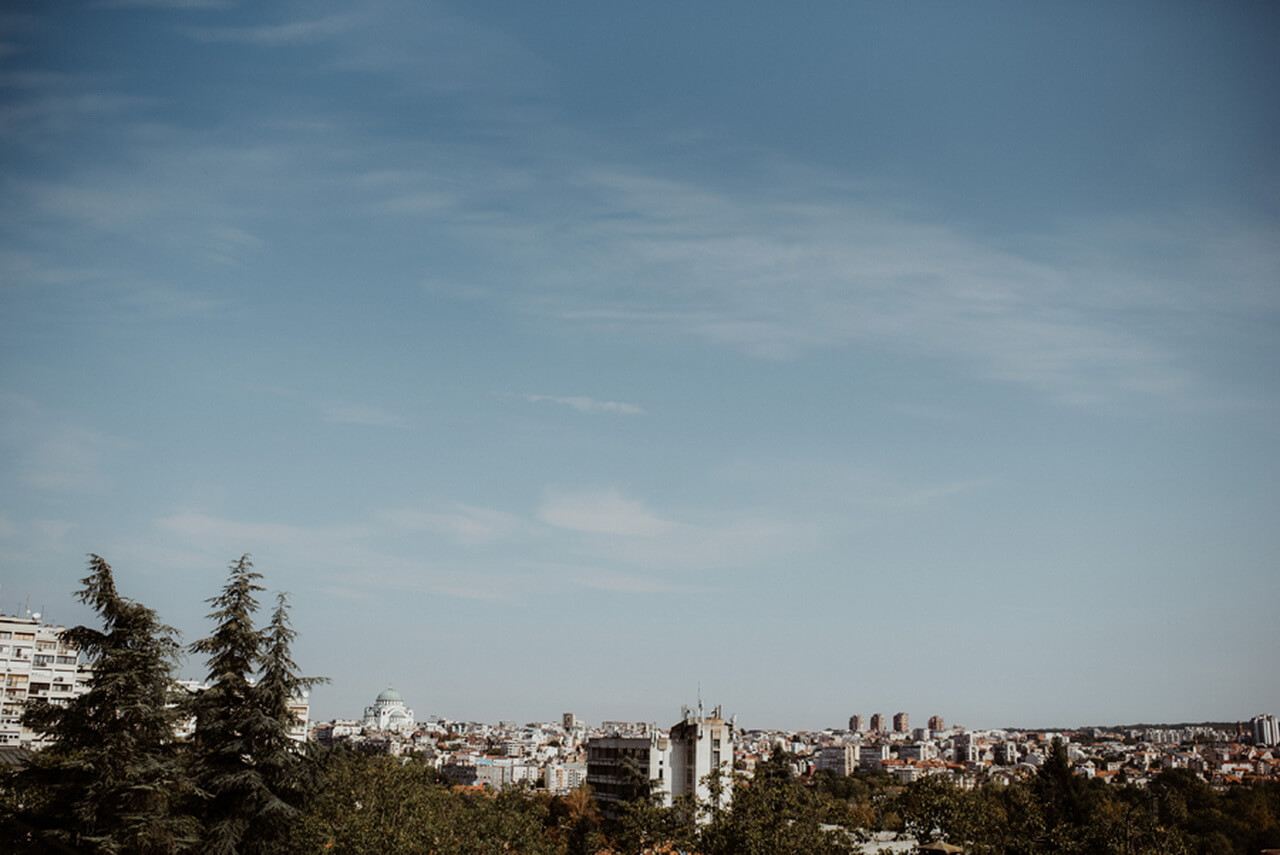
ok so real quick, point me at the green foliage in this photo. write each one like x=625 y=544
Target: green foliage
x=773 y=812
x=111 y=781
x=253 y=777
x=374 y=804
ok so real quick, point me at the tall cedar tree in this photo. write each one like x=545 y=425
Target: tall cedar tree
x=245 y=762
x=111 y=780
x=286 y=773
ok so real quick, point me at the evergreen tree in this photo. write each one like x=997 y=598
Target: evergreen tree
x=249 y=769
x=286 y=773
x=111 y=780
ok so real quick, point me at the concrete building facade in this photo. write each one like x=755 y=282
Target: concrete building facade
x=683 y=761
x=35 y=663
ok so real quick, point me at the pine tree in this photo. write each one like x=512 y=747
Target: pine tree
x=111 y=779
x=246 y=764
x=285 y=772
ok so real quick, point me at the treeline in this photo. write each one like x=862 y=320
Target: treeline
x=115 y=779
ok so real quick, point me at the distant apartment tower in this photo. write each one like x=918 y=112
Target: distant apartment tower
x=856 y=723
x=966 y=748
x=902 y=723
x=569 y=720
x=674 y=764
x=1266 y=730
x=617 y=766
x=35 y=663
x=702 y=746
x=877 y=723
x=839 y=759
x=872 y=758
x=936 y=722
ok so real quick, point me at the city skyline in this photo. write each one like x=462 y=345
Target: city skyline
x=840 y=360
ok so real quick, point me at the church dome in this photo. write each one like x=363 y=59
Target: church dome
x=389 y=694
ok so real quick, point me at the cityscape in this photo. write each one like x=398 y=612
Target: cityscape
x=601 y=789
x=715 y=428
x=562 y=755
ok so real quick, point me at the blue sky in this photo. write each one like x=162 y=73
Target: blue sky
x=841 y=358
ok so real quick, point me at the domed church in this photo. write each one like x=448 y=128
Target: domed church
x=389 y=713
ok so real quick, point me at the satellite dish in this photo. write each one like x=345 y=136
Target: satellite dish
x=36 y=615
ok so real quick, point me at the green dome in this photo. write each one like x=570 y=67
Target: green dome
x=389 y=694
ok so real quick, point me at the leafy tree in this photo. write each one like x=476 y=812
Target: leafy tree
x=772 y=812
x=577 y=821
x=374 y=804
x=111 y=780
x=933 y=809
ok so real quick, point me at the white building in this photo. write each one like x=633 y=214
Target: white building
x=616 y=766
x=839 y=759
x=560 y=778
x=389 y=713
x=34 y=663
x=702 y=748
x=1266 y=730
x=681 y=762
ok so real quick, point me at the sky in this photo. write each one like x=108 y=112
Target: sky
x=585 y=357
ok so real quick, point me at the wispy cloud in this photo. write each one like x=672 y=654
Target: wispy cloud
x=275 y=35
x=584 y=404
x=469 y=525
x=361 y=414
x=601 y=512
x=53 y=452
x=626 y=583
x=345 y=555
x=614 y=527
x=170 y=4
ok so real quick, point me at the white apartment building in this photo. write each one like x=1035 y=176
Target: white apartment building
x=675 y=764
x=1266 y=730
x=839 y=759
x=34 y=663
x=701 y=747
x=615 y=765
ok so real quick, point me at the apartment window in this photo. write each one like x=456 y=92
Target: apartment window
x=41 y=659
x=4 y=633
